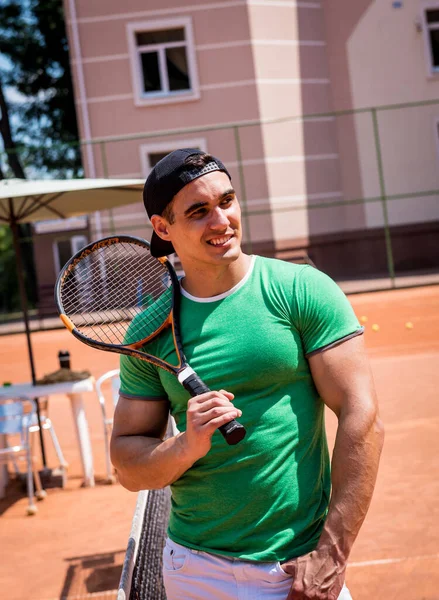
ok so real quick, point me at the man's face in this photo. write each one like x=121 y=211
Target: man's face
x=207 y=222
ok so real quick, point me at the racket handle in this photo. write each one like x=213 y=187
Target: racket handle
x=233 y=432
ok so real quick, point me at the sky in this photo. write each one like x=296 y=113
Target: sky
x=11 y=94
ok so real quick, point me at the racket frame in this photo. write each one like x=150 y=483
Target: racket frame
x=127 y=349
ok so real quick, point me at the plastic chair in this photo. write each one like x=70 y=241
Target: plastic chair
x=15 y=420
x=109 y=382
x=47 y=425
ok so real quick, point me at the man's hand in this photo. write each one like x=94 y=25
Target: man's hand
x=205 y=414
x=316 y=576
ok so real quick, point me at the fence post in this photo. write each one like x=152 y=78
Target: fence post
x=242 y=186
x=105 y=172
x=387 y=236
x=104 y=159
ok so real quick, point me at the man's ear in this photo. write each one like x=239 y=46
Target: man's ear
x=160 y=226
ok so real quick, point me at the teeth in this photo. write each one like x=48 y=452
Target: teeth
x=219 y=241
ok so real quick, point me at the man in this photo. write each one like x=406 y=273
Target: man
x=277 y=342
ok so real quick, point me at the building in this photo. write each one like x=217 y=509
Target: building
x=240 y=79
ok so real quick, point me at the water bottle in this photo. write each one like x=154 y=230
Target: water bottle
x=64 y=359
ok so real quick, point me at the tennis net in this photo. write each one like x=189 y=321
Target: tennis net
x=141 y=577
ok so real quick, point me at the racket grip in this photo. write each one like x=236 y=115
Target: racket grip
x=233 y=432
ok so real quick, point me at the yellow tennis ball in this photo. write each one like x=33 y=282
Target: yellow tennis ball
x=363 y=319
x=409 y=325
x=375 y=327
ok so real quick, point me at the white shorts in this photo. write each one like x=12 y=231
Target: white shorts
x=193 y=575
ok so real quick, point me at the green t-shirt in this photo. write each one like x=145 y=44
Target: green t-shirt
x=266 y=498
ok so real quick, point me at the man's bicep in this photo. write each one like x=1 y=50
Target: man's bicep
x=343 y=377
x=140 y=417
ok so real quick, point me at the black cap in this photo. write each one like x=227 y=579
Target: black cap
x=166 y=179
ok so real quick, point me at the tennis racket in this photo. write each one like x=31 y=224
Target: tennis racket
x=114 y=295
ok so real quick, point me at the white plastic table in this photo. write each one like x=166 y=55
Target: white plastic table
x=74 y=391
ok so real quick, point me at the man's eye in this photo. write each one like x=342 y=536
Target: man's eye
x=198 y=213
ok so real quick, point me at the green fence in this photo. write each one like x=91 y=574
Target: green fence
x=397 y=159
x=386 y=160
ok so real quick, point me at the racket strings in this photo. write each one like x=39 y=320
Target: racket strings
x=117 y=294
x=116 y=303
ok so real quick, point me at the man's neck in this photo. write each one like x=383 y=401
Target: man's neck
x=205 y=282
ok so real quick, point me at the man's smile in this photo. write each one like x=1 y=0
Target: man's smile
x=220 y=241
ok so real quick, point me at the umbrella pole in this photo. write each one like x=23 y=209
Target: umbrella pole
x=23 y=300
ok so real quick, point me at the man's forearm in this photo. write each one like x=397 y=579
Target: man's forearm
x=149 y=463
x=355 y=462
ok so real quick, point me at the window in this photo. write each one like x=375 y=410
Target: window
x=163 y=61
x=155 y=157
x=150 y=154
x=431 y=28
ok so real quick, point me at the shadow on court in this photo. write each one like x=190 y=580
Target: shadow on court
x=91 y=574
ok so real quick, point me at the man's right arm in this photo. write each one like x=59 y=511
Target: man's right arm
x=143 y=458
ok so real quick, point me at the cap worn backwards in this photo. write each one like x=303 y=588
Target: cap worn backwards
x=166 y=179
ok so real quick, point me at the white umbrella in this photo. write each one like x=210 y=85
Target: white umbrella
x=27 y=201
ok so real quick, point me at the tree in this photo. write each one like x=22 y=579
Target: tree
x=43 y=123
x=38 y=126
x=8 y=141
x=9 y=296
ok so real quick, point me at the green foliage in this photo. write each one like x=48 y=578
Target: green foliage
x=8 y=277
x=9 y=292
x=33 y=39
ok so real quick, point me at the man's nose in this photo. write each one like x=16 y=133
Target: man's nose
x=218 y=218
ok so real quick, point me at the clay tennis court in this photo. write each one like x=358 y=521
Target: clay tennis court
x=73 y=547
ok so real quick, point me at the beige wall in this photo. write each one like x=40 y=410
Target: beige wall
x=293 y=79
x=224 y=62
x=377 y=57
x=107 y=75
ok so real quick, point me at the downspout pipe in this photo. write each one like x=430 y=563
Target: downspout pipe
x=82 y=92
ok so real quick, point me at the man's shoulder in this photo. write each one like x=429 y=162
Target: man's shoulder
x=278 y=279
x=277 y=265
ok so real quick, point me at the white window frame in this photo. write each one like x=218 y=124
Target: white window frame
x=76 y=243
x=147 y=99
x=169 y=146
x=432 y=72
